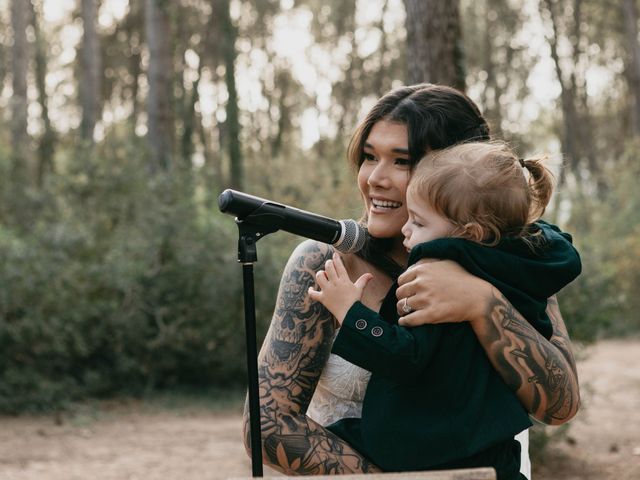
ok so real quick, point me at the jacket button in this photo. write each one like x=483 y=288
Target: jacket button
x=376 y=331
x=361 y=324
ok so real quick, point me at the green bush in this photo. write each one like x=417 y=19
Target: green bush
x=121 y=284
x=604 y=300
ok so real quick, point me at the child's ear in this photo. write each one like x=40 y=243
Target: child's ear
x=474 y=232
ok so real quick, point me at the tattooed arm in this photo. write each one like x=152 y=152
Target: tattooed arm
x=293 y=354
x=542 y=372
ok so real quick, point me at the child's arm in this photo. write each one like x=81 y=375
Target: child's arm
x=366 y=339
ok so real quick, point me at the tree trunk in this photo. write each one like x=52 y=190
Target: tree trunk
x=134 y=30
x=135 y=62
x=46 y=146
x=189 y=119
x=283 y=81
x=19 y=102
x=434 y=52
x=160 y=134
x=569 y=114
x=630 y=14
x=90 y=72
x=492 y=91
x=232 y=123
x=577 y=140
x=213 y=163
x=579 y=87
x=381 y=74
x=567 y=95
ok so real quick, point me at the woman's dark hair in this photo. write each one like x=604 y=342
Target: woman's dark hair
x=436 y=117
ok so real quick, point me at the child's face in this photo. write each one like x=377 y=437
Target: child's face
x=424 y=223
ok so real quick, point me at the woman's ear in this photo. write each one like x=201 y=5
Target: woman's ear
x=474 y=232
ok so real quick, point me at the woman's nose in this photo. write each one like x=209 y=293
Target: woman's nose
x=379 y=176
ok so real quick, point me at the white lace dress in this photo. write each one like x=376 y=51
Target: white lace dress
x=340 y=392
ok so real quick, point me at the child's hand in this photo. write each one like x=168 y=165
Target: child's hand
x=337 y=292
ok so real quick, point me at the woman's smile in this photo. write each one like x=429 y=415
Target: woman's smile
x=383 y=206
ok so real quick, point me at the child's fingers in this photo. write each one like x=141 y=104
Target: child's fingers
x=330 y=268
x=363 y=280
x=339 y=265
x=321 y=279
x=314 y=295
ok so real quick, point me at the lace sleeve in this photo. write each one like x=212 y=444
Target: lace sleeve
x=339 y=392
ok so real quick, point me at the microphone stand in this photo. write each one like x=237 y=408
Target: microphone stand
x=249 y=234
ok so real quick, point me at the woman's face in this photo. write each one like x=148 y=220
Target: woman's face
x=383 y=178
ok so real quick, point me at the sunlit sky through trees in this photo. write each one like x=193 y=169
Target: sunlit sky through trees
x=315 y=66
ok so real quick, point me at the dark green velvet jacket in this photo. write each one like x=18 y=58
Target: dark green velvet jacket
x=434 y=400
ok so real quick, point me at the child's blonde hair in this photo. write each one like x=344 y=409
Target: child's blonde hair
x=482 y=188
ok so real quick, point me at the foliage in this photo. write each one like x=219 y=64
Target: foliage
x=604 y=300
x=120 y=285
x=541 y=437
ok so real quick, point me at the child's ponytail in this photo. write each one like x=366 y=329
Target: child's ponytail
x=541 y=182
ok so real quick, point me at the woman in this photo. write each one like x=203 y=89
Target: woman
x=397 y=132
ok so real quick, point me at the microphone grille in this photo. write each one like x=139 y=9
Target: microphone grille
x=352 y=238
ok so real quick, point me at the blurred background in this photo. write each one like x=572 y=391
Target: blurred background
x=121 y=122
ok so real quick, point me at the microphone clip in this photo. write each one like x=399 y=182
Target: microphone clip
x=250 y=233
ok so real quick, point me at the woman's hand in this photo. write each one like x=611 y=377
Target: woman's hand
x=440 y=291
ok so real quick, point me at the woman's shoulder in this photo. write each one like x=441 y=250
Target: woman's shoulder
x=311 y=255
x=312 y=247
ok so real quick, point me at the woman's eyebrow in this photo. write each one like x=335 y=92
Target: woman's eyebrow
x=404 y=151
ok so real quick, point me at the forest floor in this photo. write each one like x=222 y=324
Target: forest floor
x=134 y=440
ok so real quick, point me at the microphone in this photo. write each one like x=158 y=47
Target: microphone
x=346 y=236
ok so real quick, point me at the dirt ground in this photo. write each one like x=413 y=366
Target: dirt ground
x=133 y=441
x=603 y=441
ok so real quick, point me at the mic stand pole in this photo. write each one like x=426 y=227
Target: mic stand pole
x=247 y=255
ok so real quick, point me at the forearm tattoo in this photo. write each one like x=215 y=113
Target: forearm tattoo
x=541 y=372
x=294 y=352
